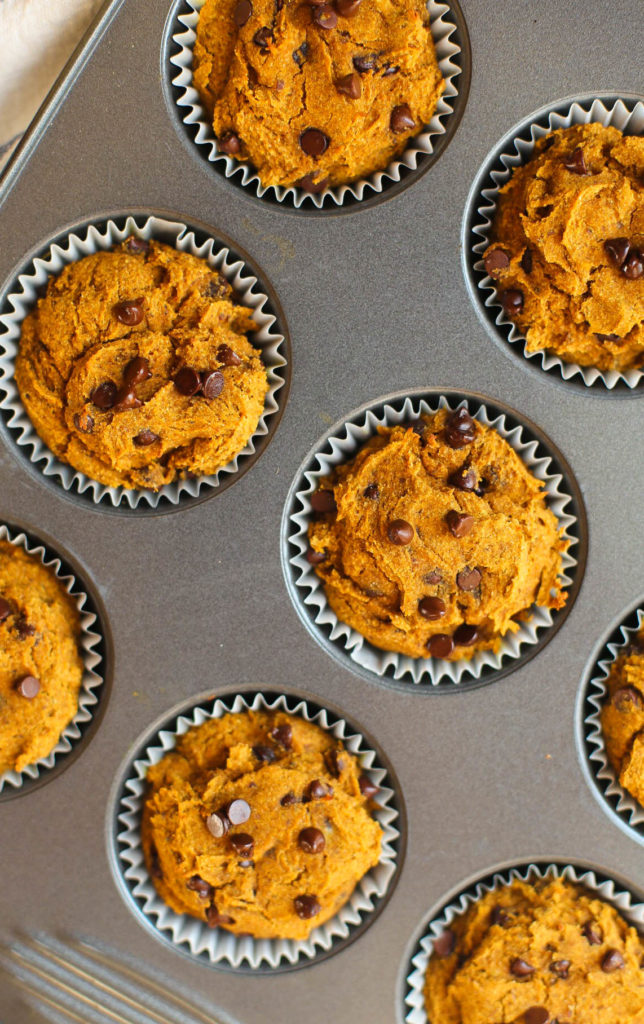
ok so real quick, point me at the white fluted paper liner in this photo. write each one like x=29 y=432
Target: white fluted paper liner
x=193 y=114
x=515 y=149
x=306 y=587
x=102 y=236
x=217 y=944
x=602 y=888
x=615 y=798
x=89 y=638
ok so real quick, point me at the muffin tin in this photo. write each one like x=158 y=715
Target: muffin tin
x=375 y=302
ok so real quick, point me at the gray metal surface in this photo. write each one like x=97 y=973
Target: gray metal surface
x=375 y=302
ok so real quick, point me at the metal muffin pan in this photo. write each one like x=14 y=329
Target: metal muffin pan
x=375 y=302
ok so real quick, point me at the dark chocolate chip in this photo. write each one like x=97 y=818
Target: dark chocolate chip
x=203 y=889
x=521 y=968
x=318 y=790
x=84 y=422
x=463 y=479
x=313 y=142
x=242 y=12
x=25 y=628
x=435 y=576
x=230 y=143
x=325 y=17
x=214 y=918
x=445 y=944
x=612 y=961
x=460 y=420
x=496 y=259
x=300 y=55
x=315 y=557
x=335 y=763
x=347 y=8
x=237 y=812
x=145 y=438
x=400 y=532
x=401 y=119
x=126 y=399
x=526 y=261
x=5 y=610
x=560 y=968
x=264 y=754
x=576 y=162
x=217 y=824
x=536 y=1015
x=592 y=933
x=311 y=840
x=262 y=38
x=367 y=787
x=136 y=245
x=283 y=734
x=372 y=492
x=617 y=249
x=468 y=579
x=459 y=523
x=323 y=501
x=288 y=799
x=136 y=371
x=187 y=381
x=457 y=439
x=431 y=607
x=104 y=396
x=465 y=635
x=440 y=645
x=129 y=313
x=212 y=383
x=350 y=85
x=512 y=300
x=243 y=844
x=633 y=267
x=500 y=916
x=226 y=356
x=627 y=695
x=306 y=907
x=365 y=63
x=28 y=687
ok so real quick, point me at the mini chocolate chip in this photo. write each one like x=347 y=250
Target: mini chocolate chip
x=187 y=381
x=212 y=383
x=576 y=162
x=496 y=259
x=237 y=812
x=435 y=576
x=300 y=55
x=465 y=635
x=365 y=63
x=335 y=763
x=458 y=439
x=5 y=610
x=612 y=961
x=262 y=38
x=311 y=840
x=560 y=968
x=306 y=907
x=197 y=884
x=230 y=143
x=463 y=479
x=350 y=85
x=401 y=119
x=526 y=261
x=226 y=356
x=145 y=438
x=627 y=695
x=217 y=824
x=309 y=183
x=367 y=787
x=323 y=501
x=440 y=645
x=431 y=607
x=372 y=492
x=313 y=142
x=84 y=422
x=315 y=557
x=592 y=933
x=28 y=687
x=129 y=313
x=126 y=399
x=214 y=918
x=468 y=579
x=283 y=734
x=242 y=13
x=460 y=420
x=136 y=371
x=633 y=267
x=500 y=916
x=264 y=754
x=318 y=790
x=347 y=8
x=512 y=300
x=136 y=245
x=521 y=968
x=536 y=1015
x=288 y=799
x=459 y=523
x=104 y=395
x=617 y=249
x=445 y=944
x=243 y=844
x=400 y=532
x=325 y=17
x=25 y=628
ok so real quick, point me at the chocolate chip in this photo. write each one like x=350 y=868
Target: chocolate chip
x=401 y=119
x=288 y=799
x=367 y=787
x=315 y=557
x=217 y=824
x=214 y=918
x=459 y=523
x=237 y=812
x=440 y=645
x=318 y=790
x=126 y=399
x=25 y=628
x=309 y=183
x=592 y=933
x=365 y=63
x=187 y=381
x=435 y=576
x=521 y=968
x=459 y=429
x=400 y=532
x=372 y=492
x=283 y=734
x=612 y=961
x=500 y=916
x=311 y=840
x=226 y=356
x=350 y=85
x=444 y=945
x=463 y=479
x=230 y=143
x=243 y=844
x=262 y=38
x=212 y=383
x=334 y=763
x=526 y=261
x=264 y=754
x=242 y=13
x=536 y=1015
x=136 y=245
x=633 y=265
x=418 y=426
x=560 y=968
x=617 y=249
x=201 y=887
x=465 y=635
x=84 y=422
x=325 y=17
x=104 y=396
x=512 y=300
x=323 y=501
x=496 y=259
x=145 y=438
x=313 y=142
x=300 y=55
x=28 y=687
x=5 y=610
x=431 y=607
x=136 y=371
x=576 y=162
x=627 y=695
x=348 y=8
x=306 y=907
x=129 y=313
x=468 y=579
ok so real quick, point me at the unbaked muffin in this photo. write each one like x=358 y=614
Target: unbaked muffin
x=567 y=254
x=548 y=953
x=135 y=368
x=316 y=94
x=622 y=719
x=435 y=539
x=259 y=823
x=40 y=666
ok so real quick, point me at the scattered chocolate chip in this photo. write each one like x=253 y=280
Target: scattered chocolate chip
x=459 y=429
x=444 y=945
x=126 y=399
x=84 y=422
x=500 y=916
x=237 y=812
x=201 y=887
x=347 y=8
x=521 y=968
x=459 y=523
x=300 y=55
x=212 y=383
x=262 y=38
x=136 y=245
x=318 y=790
x=214 y=918
x=313 y=142
x=465 y=635
x=633 y=265
x=25 y=628
x=536 y=1015
x=264 y=754
x=187 y=381
x=372 y=492
x=433 y=577
x=617 y=249
x=311 y=840
x=367 y=787
x=243 y=844
x=104 y=396
x=463 y=479
x=627 y=695
x=230 y=143
x=226 y=356
x=496 y=259
x=136 y=371
x=431 y=607
x=512 y=300
x=400 y=532
x=350 y=85
x=5 y=610
x=315 y=557
x=306 y=907
x=440 y=645
x=217 y=824
x=325 y=17
x=288 y=800
x=323 y=501
x=365 y=63
x=129 y=313
x=401 y=119
x=560 y=968
x=526 y=261
x=145 y=438
x=468 y=579
x=309 y=183
x=576 y=162
x=28 y=687
x=242 y=13
x=334 y=763
x=283 y=734
x=612 y=961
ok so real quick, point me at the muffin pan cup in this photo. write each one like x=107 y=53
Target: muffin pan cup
x=217 y=946
x=588 y=878
x=306 y=589
x=101 y=236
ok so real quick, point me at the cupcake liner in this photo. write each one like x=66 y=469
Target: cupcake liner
x=215 y=945
x=515 y=149
x=306 y=588
x=600 y=886
x=451 y=64
x=620 y=805
x=101 y=236
x=89 y=639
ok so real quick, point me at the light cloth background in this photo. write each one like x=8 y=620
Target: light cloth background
x=37 y=38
